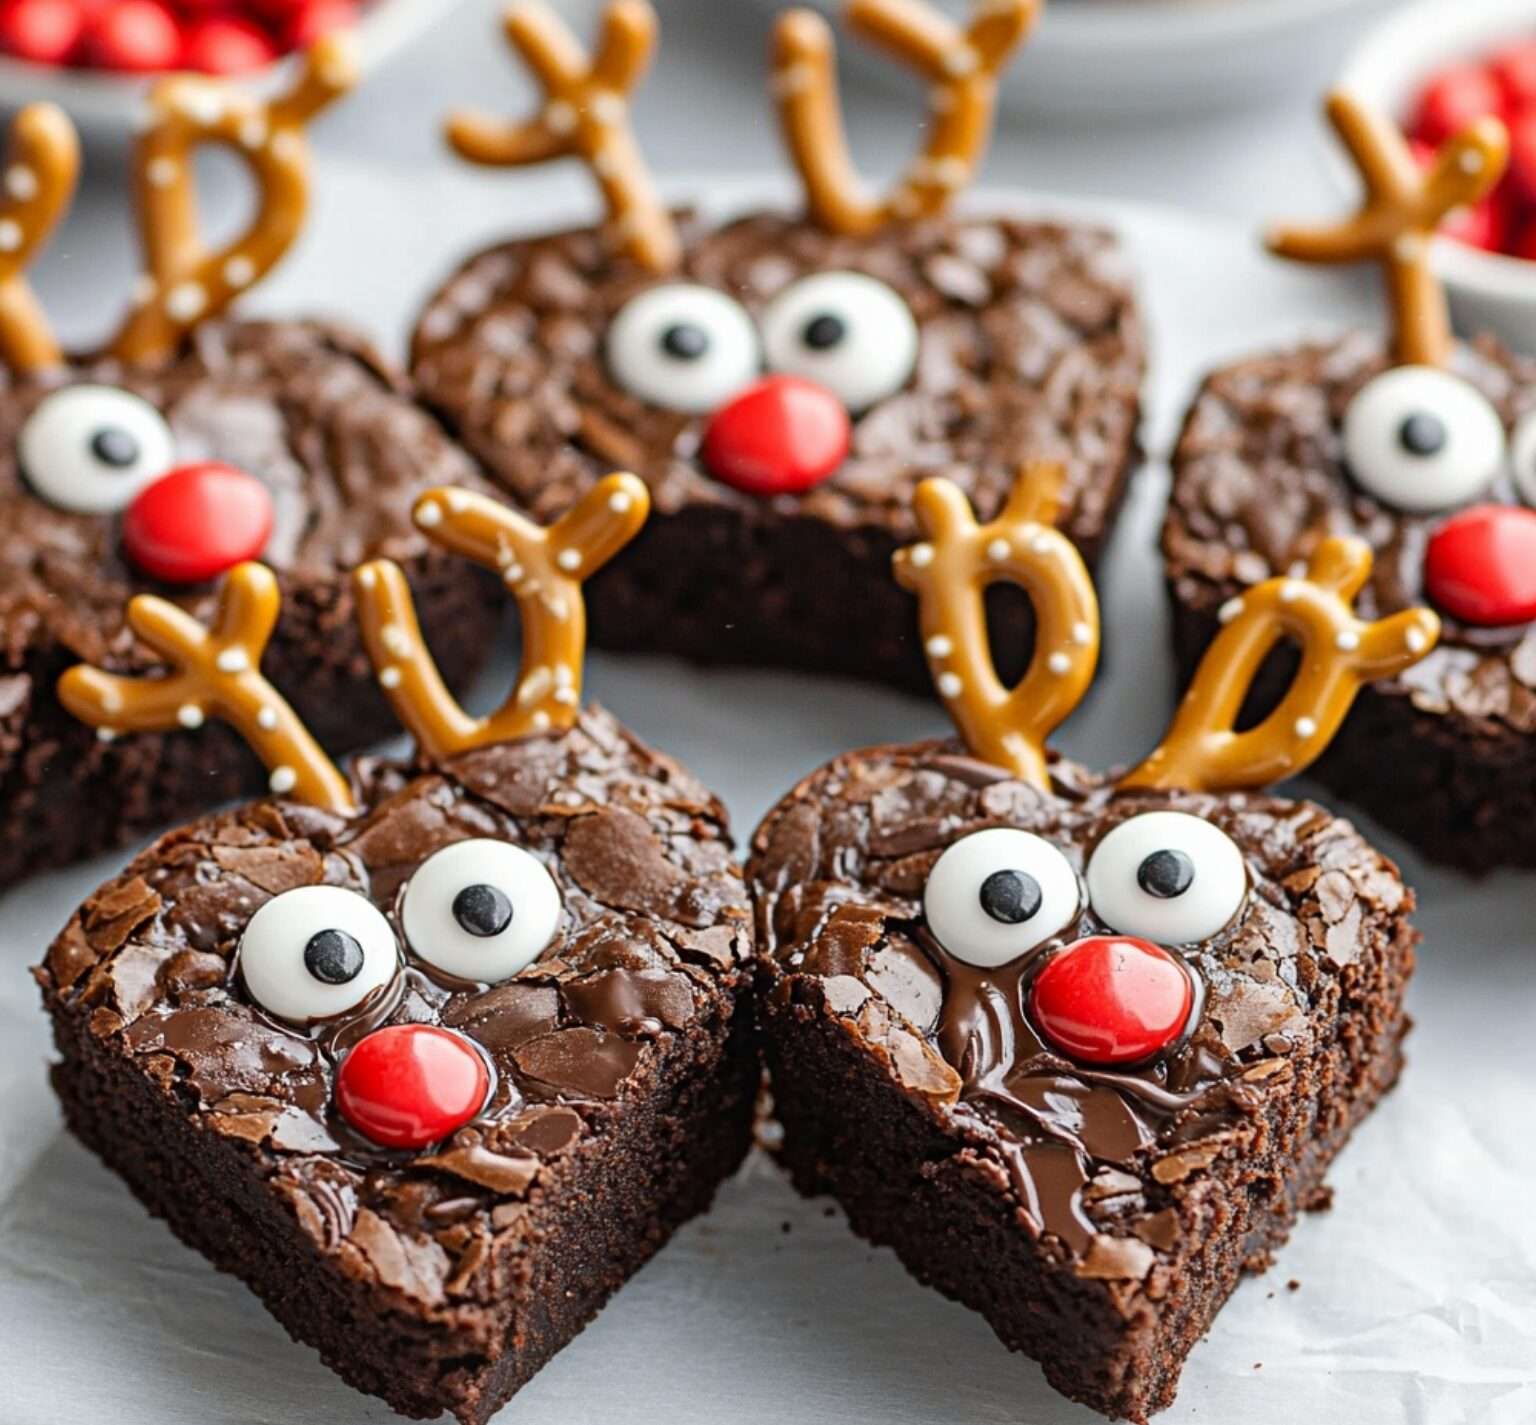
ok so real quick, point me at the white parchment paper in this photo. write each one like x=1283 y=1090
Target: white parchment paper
x=1416 y=1294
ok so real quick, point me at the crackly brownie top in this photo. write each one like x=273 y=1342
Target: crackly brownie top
x=1259 y=473
x=652 y=933
x=1096 y=1156
x=307 y=409
x=1029 y=346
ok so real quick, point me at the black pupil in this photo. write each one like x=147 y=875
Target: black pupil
x=1422 y=434
x=1166 y=874
x=824 y=331
x=112 y=445
x=685 y=340
x=333 y=957
x=482 y=910
x=1010 y=896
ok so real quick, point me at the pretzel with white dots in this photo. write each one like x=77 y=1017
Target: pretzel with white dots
x=950 y=572
x=960 y=66
x=218 y=674
x=184 y=283
x=1403 y=204
x=542 y=567
x=38 y=181
x=1339 y=653
x=585 y=115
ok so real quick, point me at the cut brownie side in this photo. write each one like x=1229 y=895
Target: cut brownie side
x=1030 y=348
x=1445 y=753
x=625 y=1072
x=1097 y=1218
x=344 y=452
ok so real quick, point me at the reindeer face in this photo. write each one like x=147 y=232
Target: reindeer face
x=824 y=371
x=521 y=928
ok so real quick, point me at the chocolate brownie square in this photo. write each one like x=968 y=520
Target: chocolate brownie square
x=1097 y=1208
x=224 y=1013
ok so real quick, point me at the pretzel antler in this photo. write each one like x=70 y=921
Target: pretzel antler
x=41 y=166
x=544 y=568
x=1339 y=654
x=950 y=572
x=959 y=65
x=1402 y=207
x=184 y=283
x=585 y=115
x=219 y=675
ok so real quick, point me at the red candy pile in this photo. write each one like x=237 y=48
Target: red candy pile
x=148 y=36
x=1504 y=85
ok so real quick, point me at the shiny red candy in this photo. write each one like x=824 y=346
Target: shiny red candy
x=409 y=1085
x=136 y=36
x=44 y=31
x=1111 y=999
x=224 y=44
x=309 y=20
x=1514 y=71
x=197 y=521
x=1480 y=566
x=779 y=436
x=1457 y=96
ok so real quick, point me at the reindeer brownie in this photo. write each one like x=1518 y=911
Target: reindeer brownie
x=433 y=1056
x=189 y=443
x=1080 y=1046
x=1425 y=448
x=782 y=381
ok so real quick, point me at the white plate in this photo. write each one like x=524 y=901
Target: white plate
x=103 y=103
x=1418 y=1290
x=1114 y=60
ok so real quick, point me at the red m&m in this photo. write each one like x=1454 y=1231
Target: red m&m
x=779 y=436
x=1480 y=566
x=1111 y=999
x=409 y=1085
x=197 y=521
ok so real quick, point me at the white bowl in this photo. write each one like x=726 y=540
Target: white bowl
x=1488 y=291
x=104 y=104
x=1109 y=60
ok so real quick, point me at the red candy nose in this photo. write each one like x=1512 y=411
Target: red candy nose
x=197 y=521
x=409 y=1085
x=779 y=436
x=1480 y=566
x=1111 y=999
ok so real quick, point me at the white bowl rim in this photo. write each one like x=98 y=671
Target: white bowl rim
x=1174 y=24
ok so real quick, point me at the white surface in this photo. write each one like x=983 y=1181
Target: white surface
x=103 y=102
x=1418 y=1291
x=1393 y=60
x=1115 y=60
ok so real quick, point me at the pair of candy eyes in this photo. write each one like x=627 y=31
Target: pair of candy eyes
x=1166 y=877
x=691 y=348
x=478 y=910
x=1422 y=440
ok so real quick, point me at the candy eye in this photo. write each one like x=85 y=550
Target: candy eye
x=1422 y=439
x=91 y=449
x=845 y=331
x=1167 y=876
x=1522 y=456
x=684 y=347
x=480 y=910
x=996 y=894
x=316 y=952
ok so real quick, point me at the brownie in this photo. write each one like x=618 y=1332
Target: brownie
x=1443 y=754
x=310 y=411
x=623 y=1067
x=1097 y=1217
x=1030 y=346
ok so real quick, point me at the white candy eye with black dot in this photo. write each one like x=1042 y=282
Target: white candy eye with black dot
x=1167 y=877
x=91 y=449
x=847 y=332
x=683 y=347
x=995 y=895
x=1421 y=439
x=480 y=910
x=1522 y=457
x=316 y=952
